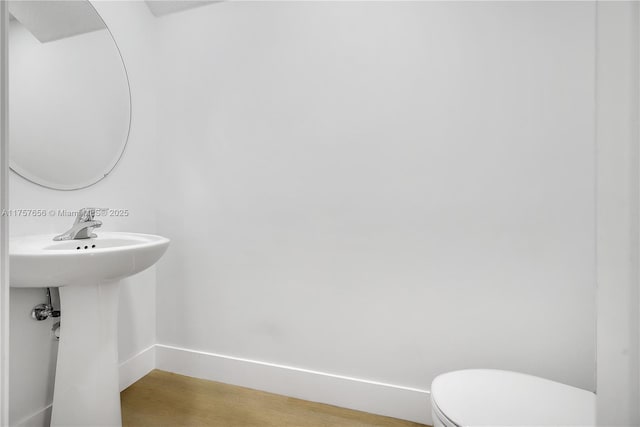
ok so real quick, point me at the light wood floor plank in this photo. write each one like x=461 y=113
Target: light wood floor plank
x=163 y=399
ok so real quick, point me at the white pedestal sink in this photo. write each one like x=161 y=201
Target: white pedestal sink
x=88 y=272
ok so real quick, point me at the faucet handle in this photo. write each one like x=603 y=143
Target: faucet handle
x=88 y=214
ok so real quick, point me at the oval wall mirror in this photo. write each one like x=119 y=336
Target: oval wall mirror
x=69 y=95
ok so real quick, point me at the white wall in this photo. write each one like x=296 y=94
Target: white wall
x=618 y=402
x=384 y=190
x=131 y=186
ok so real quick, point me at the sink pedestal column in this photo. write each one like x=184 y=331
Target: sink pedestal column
x=86 y=391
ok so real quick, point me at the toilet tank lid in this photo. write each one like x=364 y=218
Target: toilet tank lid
x=492 y=397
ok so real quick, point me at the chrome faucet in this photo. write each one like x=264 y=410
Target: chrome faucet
x=83 y=226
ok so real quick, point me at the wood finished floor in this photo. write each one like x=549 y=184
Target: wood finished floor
x=163 y=399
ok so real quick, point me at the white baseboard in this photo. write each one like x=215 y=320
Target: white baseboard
x=374 y=397
x=137 y=366
x=369 y=396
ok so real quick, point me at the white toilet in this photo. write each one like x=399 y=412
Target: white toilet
x=487 y=397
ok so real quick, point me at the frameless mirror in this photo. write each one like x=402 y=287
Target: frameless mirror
x=69 y=103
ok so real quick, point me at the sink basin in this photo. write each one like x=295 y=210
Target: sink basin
x=88 y=273
x=38 y=261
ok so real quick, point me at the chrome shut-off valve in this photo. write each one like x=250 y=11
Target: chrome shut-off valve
x=46 y=310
